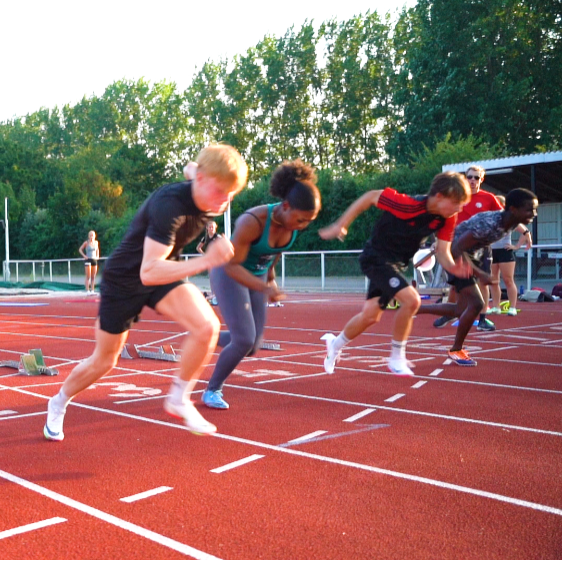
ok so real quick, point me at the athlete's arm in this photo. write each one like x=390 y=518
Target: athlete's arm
x=338 y=229
x=81 y=249
x=246 y=231
x=525 y=239
x=157 y=270
x=457 y=267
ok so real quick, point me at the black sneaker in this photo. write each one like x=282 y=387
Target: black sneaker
x=443 y=321
x=486 y=325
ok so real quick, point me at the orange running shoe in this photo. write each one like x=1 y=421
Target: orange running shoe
x=462 y=358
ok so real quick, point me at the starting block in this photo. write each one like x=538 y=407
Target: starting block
x=31 y=364
x=270 y=346
x=161 y=352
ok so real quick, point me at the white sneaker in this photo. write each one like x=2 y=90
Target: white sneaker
x=512 y=312
x=192 y=419
x=400 y=367
x=332 y=356
x=53 y=428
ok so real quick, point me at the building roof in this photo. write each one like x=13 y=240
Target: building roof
x=505 y=174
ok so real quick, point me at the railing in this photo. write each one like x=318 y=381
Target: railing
x=299 y=271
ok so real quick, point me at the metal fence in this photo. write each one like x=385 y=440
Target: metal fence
x=335 y=271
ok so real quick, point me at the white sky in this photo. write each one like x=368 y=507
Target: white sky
x=55 y=52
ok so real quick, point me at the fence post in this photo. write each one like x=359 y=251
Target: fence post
x=33 y=269
x=323 y=270
x=69 y=273
x=17 y=272
x=282 y=271
x=51 y=271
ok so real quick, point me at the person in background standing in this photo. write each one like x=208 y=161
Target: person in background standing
x=503 y=262
x=90 y=251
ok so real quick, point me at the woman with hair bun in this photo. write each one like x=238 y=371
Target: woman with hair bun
x=244 y=286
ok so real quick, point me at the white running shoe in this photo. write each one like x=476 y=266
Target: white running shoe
x=192 y=419
x=332 y=356
x=53 y=428
x=512 y=312
x=400 y=367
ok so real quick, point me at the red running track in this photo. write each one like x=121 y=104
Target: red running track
x=453 y=463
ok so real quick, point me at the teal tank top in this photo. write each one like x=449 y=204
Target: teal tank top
x=261 y=254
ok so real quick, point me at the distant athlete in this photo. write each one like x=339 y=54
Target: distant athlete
x=406 y=223
x=144 y=271
x=471 y=237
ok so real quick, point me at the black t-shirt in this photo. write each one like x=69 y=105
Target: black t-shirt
x=206 y=240
x=403 y=227
x=168 y=216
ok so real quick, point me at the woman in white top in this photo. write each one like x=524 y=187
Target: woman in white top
x=90 y=251
x=503 y=262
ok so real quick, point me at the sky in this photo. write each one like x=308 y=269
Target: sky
x=56 y=52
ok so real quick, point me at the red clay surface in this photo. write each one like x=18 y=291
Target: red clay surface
x=452 y=463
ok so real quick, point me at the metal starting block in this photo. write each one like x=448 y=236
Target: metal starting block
x=168 y=353
x=31 y=364
x=161 y=352
x=270 y=346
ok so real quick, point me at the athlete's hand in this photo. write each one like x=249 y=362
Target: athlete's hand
x=219 y=252
x=333 y=231
x=273 y=293
x=190 y=171
x=462 y=269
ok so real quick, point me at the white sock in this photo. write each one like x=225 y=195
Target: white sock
x=61 y=400
x=177 y=390
x=339 y=342
x=398 y=350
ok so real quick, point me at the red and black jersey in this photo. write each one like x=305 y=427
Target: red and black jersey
x=404 y=226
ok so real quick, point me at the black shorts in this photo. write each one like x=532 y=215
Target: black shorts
x=503 y=255
x=90 y=261
x=118 y=311
x=385 y=280
x=459 y=283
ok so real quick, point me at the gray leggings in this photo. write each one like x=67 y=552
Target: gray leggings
x=244 y=312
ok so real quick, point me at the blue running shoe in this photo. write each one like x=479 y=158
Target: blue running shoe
x=214 y=399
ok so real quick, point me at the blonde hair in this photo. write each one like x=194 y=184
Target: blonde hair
x=223 y=162
x=479 y=169
x=451 y=185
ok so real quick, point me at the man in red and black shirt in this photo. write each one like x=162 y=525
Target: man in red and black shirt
x=405 y=224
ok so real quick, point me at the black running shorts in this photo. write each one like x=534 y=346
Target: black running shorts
x=118 y=311
x=385 y=280
x=503 y=255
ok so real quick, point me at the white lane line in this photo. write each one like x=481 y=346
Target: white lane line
x=147 y=494
x=419 y=384
x=236 y=464
x=287 y=450
x=7 y=412
x=23 y=416
x=31 y=527
x=360 y=415
x=394 y=398
x=306 y=397
x=435 y=373
x=111 y=519
x=307 y=437
x=322 y=374
x=447 y=361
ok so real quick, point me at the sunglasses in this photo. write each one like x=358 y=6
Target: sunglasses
x=472 y=177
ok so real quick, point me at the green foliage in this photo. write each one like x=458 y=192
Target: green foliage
x=372 y=102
